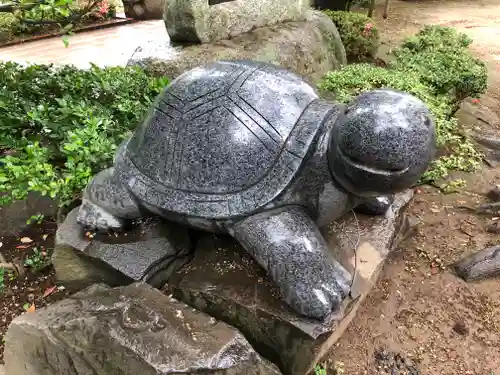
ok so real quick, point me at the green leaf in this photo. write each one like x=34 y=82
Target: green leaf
x=65 y=40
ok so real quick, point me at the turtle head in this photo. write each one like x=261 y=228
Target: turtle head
x=382 y=143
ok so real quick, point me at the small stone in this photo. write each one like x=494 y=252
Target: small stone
x=461 y=328
x=494 y=227
x=494 y=194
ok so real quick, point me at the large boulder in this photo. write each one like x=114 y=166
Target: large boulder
x=149 y=252
x=206 y=21
x=224 y=282
x=127 y=331
x=310 y=48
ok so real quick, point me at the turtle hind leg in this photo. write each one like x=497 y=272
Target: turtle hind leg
x=376 y=206
x=106 y=203
x=288 y=245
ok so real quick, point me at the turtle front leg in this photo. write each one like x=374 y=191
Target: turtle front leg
x=106 y=203
x=376 y=206
x=290 y=247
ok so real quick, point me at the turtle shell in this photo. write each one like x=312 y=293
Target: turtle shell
x=223 y=140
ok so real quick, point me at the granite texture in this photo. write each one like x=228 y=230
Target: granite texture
x=288 y=245
x=149 y=252
x=385 y=143
x=128 y=331
x=311 y=48
x=248 y=148
x=223 y=281
x=199 y=22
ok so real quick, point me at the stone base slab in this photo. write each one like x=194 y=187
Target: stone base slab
x=224 y=282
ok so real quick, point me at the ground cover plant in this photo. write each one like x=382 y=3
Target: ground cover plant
x=60 y=126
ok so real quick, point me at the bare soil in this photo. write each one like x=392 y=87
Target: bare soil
x=34 y=287
x=421 y=318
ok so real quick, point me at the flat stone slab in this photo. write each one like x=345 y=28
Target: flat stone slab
x=225 y=283
x=128 y=331
x=206 y=21
x=142 y=254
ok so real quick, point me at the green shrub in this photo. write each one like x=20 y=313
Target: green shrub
x=8 y=24
x=358 y=32
x=60 y=126
x=440 y=56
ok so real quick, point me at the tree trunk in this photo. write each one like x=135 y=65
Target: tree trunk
x=386 y=9
x=331 y=4
x=371 y=8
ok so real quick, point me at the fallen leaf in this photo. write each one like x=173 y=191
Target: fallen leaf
x=1 y=244
x=435 y=210
x=50 y=290
x=29 y=308
x=26 y=240
x=45 y=236
x=22 y=247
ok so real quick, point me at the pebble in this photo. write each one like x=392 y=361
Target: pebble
x=461 y=328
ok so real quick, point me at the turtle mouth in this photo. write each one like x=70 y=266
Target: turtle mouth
x=370 y=169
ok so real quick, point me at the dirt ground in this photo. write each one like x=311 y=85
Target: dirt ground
x=420 y=313
x=34 y=287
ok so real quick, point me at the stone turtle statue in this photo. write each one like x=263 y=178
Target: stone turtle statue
x=249 y=149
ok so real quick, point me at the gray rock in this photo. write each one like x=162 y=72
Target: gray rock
x=230 y=286
x=149 y=253
x=494 y=193
x=202 y=21
x=144 y=9
x=128 y=331
x=14 y=215
x=310 y=48
x=480 y=265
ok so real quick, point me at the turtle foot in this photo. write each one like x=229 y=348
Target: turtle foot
x=317 y=288
x=288 y=245
x=93 y=217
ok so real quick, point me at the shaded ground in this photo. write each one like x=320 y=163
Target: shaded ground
x=420 y=312
x=33 y=288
